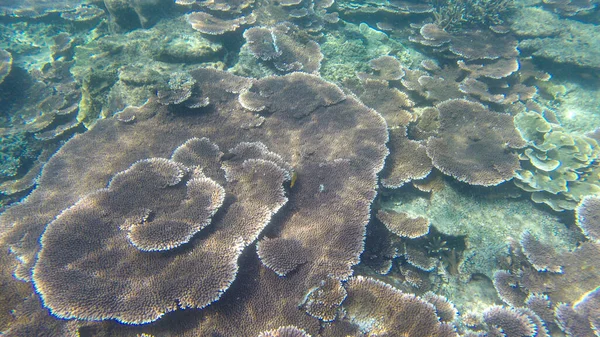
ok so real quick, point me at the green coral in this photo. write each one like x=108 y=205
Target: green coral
x=559 y=167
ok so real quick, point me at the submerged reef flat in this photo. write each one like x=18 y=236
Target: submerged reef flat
x=299 y=168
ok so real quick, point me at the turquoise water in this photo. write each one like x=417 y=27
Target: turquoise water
x=299 y=168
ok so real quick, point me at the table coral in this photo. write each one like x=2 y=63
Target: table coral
x=473 y=144
x=327 y=213
x=155 y=205
x=558 y=167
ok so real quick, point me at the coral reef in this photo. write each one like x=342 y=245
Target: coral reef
x=281 y=255
x=403 y=225
x=284 y=48
x=407 y=161
x=208 y=24
x=324 y=301
x=171 y=167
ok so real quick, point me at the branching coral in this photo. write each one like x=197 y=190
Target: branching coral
x=454 y=14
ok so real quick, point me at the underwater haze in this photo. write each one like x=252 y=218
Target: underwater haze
x=293 y=168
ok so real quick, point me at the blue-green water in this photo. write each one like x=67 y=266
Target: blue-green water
x=299 y=168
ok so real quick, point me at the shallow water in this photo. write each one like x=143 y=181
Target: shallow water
x=299 y=168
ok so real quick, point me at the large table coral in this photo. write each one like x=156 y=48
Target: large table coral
x=334 y=144
x=109 y=245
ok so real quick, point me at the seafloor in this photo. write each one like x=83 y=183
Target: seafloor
x=300 y=168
